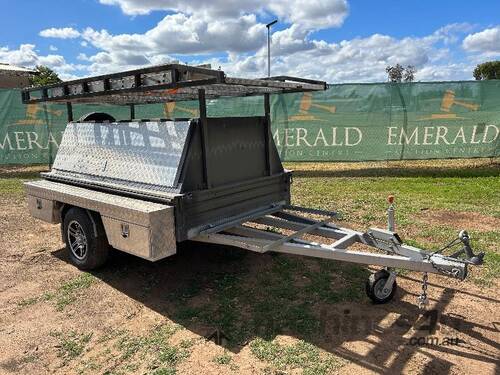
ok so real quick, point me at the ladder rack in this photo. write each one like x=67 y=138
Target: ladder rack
x=163 y=83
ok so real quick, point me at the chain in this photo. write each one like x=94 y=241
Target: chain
x=450 y=245
x=455 y=272
x=423 y=301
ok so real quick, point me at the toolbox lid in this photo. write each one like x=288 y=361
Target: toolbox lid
x=136 y=155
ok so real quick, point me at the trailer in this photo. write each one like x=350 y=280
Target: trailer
x=144 y=185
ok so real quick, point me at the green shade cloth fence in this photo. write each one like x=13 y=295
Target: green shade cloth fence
x=347 y=122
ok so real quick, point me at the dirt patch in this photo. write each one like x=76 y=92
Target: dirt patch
x=112 y=324
x=460 y=220
x=5 y=170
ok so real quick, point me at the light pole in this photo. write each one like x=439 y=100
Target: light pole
x=269 y=47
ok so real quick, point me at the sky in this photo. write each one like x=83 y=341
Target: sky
x=333 y=40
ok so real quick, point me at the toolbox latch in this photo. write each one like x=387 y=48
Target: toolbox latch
x=125 y=230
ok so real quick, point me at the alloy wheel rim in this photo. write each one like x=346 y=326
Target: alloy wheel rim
x=77 y=240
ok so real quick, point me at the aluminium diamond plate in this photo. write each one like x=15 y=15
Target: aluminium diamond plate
x=147 y=153
x=151 y=226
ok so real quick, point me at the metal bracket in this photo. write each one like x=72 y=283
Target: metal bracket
x=298 y=233
x=390 y=281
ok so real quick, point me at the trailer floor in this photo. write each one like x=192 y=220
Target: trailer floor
x=282 y=314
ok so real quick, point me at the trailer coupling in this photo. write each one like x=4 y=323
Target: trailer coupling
x=283 y=231
x=451 y=265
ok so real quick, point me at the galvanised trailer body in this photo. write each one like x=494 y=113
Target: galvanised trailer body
x=142 y=186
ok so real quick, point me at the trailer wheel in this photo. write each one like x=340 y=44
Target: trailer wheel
x=375 y=287
x=86 y=249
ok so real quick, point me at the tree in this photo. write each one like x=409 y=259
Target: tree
x=44 y=76
x=409 y=73
x=487 y=70
x=398 y=73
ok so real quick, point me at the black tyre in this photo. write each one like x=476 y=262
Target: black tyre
x=97 y=117
x=86 y=249
x=375 y=287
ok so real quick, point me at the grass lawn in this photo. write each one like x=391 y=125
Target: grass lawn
x=254 y=298
x=448 y=189
x=12 y=179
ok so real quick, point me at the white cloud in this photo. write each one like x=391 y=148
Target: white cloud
x=313 y=15
x=486 y=41
x=182 y=34
x=82 y=57
x=60 y=33
x=24 y=56
x=233 y=29
x=105 y=62
x=290 y=40
x=294 y=51
x=234 y=32
x=355 y=60
x=449 y=34
x=53 y=48
x=316 y=14
x=216 y=27
x=52 y=61
x=445 y=72
x=27 y=56
x=221 y=8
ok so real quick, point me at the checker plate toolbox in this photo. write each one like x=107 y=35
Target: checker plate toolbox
x=154 y=183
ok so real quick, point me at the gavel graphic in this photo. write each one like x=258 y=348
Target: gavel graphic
x=449 y=100
x=33 y=109
x=169 y=108
x=307 y=102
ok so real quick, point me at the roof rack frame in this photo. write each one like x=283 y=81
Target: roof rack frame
x=163 y=83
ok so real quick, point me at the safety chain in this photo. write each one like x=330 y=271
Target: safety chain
x=423 y=301
x=448 y=246
x=455 y=272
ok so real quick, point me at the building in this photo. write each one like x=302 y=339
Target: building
x=12 y=76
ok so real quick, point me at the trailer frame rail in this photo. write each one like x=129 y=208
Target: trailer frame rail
x=386 y=249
